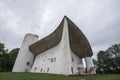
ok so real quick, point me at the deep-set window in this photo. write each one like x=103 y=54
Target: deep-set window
x=72 y=59
x=72 y=70
x=35 y=69
x=41 y=70
x=48 y=70
x=52 y=59
x=28 y=63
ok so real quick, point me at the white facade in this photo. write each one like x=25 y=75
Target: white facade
x=59 y=59
x=24 y=58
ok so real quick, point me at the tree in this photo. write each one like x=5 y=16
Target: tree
x=114 y=51
x=109 y=60
x=4 y=58
x=7 y=59
x=12 y=55
x=101 y=59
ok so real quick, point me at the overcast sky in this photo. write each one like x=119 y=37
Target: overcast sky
x=99 y=20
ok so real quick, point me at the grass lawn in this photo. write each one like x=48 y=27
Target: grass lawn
x=39 y=76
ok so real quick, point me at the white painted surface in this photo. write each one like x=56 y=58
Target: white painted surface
x=89 y=64
x=76 y=63
x=60 y=52
x=25 y=56
x=57 y=60
x=61 y=55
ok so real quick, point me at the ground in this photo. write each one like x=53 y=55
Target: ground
x=39 y=76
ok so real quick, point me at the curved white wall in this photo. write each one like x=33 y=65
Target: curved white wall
x=76 y=62
x=89 y=64
x=57 y=60
x=24 y=58
x=59 y=52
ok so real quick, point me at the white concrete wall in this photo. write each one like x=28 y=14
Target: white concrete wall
x=61 y=55
x=24 y=56
x=76 y=62
x=89 y=64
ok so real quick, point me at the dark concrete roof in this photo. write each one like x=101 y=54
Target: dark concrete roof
x=78 y=42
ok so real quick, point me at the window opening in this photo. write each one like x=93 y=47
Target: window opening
x=72 y=59
x=41 y=70
x=35 y=69
x=47 y=69
x=72 y=70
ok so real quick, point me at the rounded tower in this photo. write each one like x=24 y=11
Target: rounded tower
x=24 y=60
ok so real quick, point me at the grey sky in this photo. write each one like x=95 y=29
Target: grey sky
x=99 y=20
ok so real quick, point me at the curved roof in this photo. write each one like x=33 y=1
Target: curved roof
x=78 y=42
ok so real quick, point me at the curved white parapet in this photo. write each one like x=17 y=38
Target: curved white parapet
x=90 y=66
x=24 y=60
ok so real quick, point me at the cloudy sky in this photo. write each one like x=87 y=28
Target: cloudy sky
x=99 y=20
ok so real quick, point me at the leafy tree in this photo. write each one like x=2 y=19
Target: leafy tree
x=100 y=60
x=114 y=60
x=7 y=59
x=109 y=60
x=12 y=55
x=4 y=58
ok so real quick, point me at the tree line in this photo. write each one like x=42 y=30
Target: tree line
x=107 y=61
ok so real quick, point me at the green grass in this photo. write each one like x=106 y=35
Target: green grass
x=39 y=76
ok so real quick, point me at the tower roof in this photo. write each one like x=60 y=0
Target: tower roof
x=78 y=42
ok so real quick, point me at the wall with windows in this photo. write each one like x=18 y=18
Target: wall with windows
x=76 y=63
x=57 y=60
x=24 y=58
x=50 y=61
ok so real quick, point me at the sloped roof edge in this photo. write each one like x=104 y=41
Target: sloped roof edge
x=78 y=42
